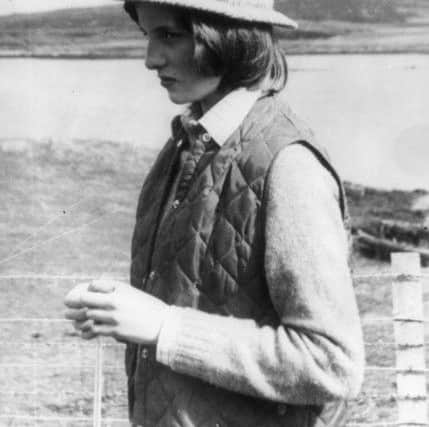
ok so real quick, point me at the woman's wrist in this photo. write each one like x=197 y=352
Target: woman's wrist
x=168 y=333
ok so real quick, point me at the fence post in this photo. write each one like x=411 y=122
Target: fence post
x=98 y=384
x=409 y=338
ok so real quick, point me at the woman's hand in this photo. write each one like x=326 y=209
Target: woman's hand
x=115 y=309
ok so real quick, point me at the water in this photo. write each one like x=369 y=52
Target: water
x=370 y=111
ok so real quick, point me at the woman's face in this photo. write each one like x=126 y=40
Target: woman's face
x=170 y=52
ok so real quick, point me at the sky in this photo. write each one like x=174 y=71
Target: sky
x=27 y=6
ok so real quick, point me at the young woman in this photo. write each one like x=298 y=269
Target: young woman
x=241 y=310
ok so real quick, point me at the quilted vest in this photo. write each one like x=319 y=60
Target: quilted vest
x=221 y=214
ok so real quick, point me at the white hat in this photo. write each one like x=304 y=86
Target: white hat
x=261 y=11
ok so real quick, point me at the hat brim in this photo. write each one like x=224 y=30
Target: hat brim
x=244 y=13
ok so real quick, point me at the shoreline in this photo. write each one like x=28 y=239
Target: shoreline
x=134 y=57
x=417 y=197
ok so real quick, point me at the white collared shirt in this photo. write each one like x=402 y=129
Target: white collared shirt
x=228 y=114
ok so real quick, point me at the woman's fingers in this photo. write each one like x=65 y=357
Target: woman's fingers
x=76 y=314
x=103 y=286
x=72 y=299
x=77 y=297
x=98 y=330
x=104 y=330
x=96 y=300
x=88 y=335
x=98 y=323
x=101 y=316
x=84 y=314
x=84 y=325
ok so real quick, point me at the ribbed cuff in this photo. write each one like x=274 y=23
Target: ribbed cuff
x=189 y=340
x=168 y=335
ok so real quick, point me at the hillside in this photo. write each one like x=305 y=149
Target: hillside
x=62 y=195
x=348 y=10
x=326 y=26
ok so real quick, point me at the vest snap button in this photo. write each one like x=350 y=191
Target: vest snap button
x=206 y=137
x=176 y=204
x=145 y=353
x=281 y=409
x=152 y=275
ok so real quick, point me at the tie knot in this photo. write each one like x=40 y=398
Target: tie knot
x=190 y=125
x=197 y=135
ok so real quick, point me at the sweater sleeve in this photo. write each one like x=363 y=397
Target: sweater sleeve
x=316 y=354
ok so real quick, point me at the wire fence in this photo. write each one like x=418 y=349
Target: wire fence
x=51 y=378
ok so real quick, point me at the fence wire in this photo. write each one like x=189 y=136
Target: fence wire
x=99 y=366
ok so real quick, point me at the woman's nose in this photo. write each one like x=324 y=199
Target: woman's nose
x=155 y=58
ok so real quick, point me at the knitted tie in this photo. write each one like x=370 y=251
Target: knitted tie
x=196 y=144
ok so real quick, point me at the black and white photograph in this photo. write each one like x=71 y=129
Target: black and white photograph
x=214 y=213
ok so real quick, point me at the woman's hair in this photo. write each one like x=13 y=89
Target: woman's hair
x=245 y=54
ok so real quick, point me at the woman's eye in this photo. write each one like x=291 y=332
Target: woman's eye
x=168 y=35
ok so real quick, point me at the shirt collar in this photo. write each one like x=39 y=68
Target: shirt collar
x=226 y=115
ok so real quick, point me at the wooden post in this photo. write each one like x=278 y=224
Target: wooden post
x=98 y=385
x=409 y=339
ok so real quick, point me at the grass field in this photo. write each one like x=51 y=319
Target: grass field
x=68 y=210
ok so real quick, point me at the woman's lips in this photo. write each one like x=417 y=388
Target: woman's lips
x=167 y=81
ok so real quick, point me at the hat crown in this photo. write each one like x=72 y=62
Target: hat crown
x=261 y=11
x=249 y=3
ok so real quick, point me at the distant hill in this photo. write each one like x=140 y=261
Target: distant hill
x=92 y=32
x=348 y=10
x=106 y=18
x=326 y=26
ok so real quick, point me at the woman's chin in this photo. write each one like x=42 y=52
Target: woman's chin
x=177 y=98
